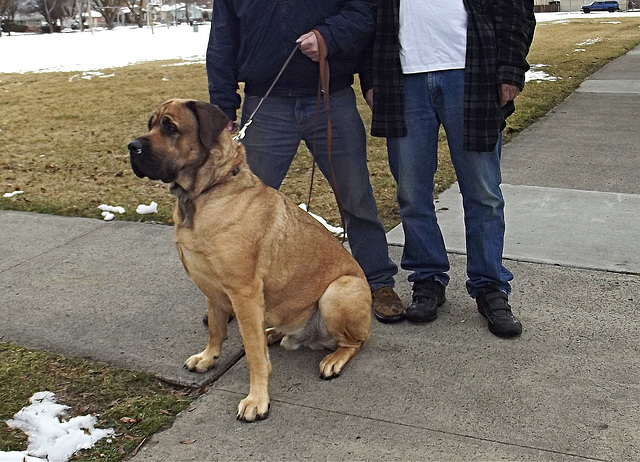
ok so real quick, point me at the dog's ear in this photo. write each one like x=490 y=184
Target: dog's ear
x=211 y=121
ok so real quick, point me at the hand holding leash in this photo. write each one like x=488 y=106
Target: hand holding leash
x=309 y=46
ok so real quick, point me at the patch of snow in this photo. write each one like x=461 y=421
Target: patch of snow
x=110 y=208
x=12 y=194
x=50 y=436
x=538 y=75
x=146 y=209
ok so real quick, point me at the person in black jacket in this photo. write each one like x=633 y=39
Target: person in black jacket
x=250 y=41
x=458 y=64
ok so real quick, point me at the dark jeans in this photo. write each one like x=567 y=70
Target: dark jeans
x=434 y=99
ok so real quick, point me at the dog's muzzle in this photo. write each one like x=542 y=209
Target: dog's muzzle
x=141 y=159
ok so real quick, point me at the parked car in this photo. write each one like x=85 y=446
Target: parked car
x=601 y=6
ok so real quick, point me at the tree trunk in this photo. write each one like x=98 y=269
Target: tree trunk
x=48 y=17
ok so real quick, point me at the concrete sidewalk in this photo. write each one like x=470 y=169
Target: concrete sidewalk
x=567 y=389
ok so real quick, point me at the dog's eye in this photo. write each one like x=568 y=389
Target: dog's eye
x=169 y=127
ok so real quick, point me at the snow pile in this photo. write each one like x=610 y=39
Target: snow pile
x=587 y=42
x=146 y=209
x=537 y=75
x=89 y=75
x=12 y=194
x=110 y=208
x=50 y=436
x=108 y=211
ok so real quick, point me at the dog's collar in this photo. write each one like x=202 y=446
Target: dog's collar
x=209 y=188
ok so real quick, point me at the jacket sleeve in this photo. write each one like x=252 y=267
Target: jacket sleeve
x=222 y=51
x=514 y=25
x=348 y=32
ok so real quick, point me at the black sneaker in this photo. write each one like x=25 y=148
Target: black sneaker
x=428 y=295
x=493 y=304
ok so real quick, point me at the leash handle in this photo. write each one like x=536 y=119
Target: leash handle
x=241 y=132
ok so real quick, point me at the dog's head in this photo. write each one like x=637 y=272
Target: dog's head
x=182 y=134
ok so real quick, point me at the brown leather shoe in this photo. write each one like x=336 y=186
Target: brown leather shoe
x=387 y=306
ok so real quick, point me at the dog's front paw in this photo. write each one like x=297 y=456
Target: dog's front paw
x=251 y=409
x=201 y=362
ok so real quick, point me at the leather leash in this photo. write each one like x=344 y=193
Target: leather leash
x=323 y=95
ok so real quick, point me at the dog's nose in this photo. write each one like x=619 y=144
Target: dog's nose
x=135 y=147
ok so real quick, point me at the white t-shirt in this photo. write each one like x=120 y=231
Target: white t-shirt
x=433 y=35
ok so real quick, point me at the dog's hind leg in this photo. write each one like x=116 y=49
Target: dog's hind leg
x=346 y=310
x=217 y=323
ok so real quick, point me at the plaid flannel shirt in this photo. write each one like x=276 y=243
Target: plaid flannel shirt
x=499 y=34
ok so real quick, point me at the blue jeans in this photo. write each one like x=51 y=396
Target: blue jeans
x=272 y=140
x=434 y=99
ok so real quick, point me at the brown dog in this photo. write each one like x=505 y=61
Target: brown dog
x=251 y=251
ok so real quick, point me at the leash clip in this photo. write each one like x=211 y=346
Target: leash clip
x=240 y=135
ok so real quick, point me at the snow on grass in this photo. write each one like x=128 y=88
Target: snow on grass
x=51 y=437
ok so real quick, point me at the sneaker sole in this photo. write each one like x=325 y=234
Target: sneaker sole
x=504 y=334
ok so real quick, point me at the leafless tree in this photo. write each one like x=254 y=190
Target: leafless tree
x=186 y=10
x=8 y=9
x=108 y=9
x=54 y=11
x=137 y=12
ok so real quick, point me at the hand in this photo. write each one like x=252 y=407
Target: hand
x=309 y=46
x=368 y=97
x=508 y=93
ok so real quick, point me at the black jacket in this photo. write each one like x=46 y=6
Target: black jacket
x=251 y=39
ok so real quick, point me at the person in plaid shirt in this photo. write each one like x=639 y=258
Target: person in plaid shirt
x=458 y=64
